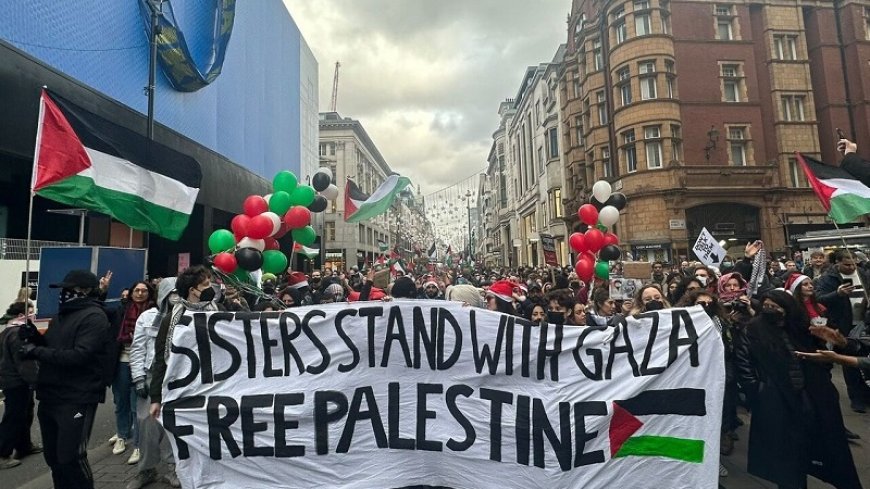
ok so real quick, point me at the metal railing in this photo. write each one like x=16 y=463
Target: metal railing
x=16 y=249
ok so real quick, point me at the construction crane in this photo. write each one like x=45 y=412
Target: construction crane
x=335 y=88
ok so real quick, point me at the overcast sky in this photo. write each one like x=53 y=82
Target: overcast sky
x=425 y=77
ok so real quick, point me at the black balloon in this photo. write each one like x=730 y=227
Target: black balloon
x=320 y=181
x=319 y=204
x=598 y=205
x=617 y=199
x=249 y=259
x=610 y=253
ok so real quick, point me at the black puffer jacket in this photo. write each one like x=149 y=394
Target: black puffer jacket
x=72 y=362
x=839 y=306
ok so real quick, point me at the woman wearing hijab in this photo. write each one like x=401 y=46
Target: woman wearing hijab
x=797 y=427
x=732 y=295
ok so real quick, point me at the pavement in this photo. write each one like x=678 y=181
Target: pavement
x=112 y=472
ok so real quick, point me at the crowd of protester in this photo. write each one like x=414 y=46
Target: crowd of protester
x=783 y=323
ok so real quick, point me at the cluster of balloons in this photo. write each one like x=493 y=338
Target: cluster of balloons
x=598 y=245
x=252 y=243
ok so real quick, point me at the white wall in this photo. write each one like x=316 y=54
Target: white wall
x=10 y=279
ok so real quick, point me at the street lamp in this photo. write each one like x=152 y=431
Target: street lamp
x=468 y=199
x=712 y=139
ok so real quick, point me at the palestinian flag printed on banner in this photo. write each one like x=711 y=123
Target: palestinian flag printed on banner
x=359 y=207
x=843 y=195
x=86 y=161
x=629 y=437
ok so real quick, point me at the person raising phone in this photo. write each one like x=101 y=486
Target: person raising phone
x=856 y=166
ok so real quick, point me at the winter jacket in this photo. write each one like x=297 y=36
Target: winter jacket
x=72 y=362
x=859 y=347
x=142 y=349
x=10 y=362
x=797 y=427
x=839 y=307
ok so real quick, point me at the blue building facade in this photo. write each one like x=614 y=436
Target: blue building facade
x=252 y=114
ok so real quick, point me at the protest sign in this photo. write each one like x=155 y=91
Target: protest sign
x=708 y=250
x=548 y=246
x=378 y=395
x=622 y=288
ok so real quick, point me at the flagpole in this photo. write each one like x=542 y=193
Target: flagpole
x=33 y=175
x=851 y=257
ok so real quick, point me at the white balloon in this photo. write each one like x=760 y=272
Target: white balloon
x=276 y=221
x=601 y=191
x=259 y=244
x=326 y=170
x=608 y=215
x=330 y=192
x=267 y=197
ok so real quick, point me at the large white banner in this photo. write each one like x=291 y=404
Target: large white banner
x=382 y=395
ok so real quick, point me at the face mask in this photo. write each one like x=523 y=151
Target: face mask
x=67 y=295
x=727 y=264
x=207 y=295
x=554 y=317
x=772 y=316
x=654 y=306
x=701 y=279
x=710 y=309
x=269 y=289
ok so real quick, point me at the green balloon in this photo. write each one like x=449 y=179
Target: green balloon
x=279 y=202
x=284 y=181
x=304 y=236
x=274 y=261
x=221 y=240
x=602 y=270
x=242 y=275
x=303 y=195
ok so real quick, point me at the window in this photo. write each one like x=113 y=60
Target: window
x=676 y=143
x=648 y=88
x=724 y=31
x=621 y=32
x=540 y=159
x=623 y=74
x=785 y=47
x=867 y=22
x=538 y=112
x=646 y=67
x=597 y=59
x=737 y=145
x=556 y=211
x=578 y=128
x=732 y=83
x=670 y=79
x=641 y=5
x=329 y=231
x=793 y=107
x=625 y=93
x=629 y=151
x=642 y=24
x=723 y=10
x=553 y=139
x=797 y=177
x=327 y=149
x=666 y=23
x=602 y=108
x=606 y=164
x=652 y=136
x=619 y=13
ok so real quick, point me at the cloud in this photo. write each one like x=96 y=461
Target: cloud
x=425 y=77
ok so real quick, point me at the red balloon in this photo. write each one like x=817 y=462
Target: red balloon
x=577 y=242
x=588 y=214
x=239 y=225
x=272 y=244
x=226 y=262
x=281 y=232
x=585 y=269
x=297 y=217
x=594 y=239
x=260 y=227
x=610 y=239
x=255 y=205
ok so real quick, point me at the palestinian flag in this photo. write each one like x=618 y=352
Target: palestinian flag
x=382 y=245
x=432 y=252
x=397 y=267
x=309 y=253
x=629 y=438
x=86 y=161
x=394 y=253
x=842 y=194
x=359 y=207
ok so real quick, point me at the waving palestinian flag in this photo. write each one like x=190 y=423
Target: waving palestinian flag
x=84 y=160
x=841 y=193
x=359 y=207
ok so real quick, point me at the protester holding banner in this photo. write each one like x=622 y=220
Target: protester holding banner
x=603 y=308
x=538 y=312
x=649 y=298
x=500 y=298
x=194 y=288
x=687 y=284
x=560 y=307
x=578 y=315
x=797 y=427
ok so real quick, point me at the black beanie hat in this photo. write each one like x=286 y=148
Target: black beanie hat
x=404 y=288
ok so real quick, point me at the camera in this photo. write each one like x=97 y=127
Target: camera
x=736 y=306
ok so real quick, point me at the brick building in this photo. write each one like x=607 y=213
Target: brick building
x=694 y=110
